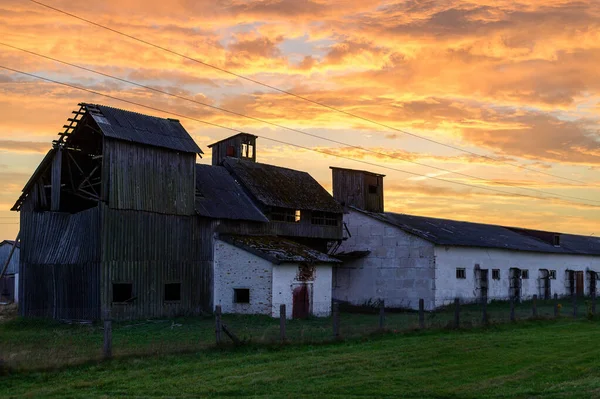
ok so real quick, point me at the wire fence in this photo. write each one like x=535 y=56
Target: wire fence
x=41 y=343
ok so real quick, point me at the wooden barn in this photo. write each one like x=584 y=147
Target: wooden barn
x=108 y=221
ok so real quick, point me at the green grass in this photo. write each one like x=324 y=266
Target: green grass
x=542 y=358
x=27 y=344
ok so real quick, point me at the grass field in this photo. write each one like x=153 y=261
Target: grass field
x=27 y=344
x=542 y=358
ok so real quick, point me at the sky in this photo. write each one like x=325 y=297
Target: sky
x=516 y=81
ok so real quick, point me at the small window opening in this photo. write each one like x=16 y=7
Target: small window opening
x=230 y=151
x=524 y=274
x=556 y=240
x=372 y=189
x=297 y=216
x=247 y=150
x=496 y=274
x=173 y=292
x=122 y=292
x=461 y=273
x=241 y=295
x=552 y=274
x=324 y=218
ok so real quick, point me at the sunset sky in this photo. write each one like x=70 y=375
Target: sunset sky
x=517 y=81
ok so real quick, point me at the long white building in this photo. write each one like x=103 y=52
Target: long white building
x=402 y=258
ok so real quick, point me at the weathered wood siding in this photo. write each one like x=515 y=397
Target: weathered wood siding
x=149 y=250
x=351 y=187
x=59 y=264
x=219 y=150
x=304 y=228
x=148 y=178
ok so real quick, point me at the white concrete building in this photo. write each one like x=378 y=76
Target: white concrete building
x=257 y=274
x=403 y=258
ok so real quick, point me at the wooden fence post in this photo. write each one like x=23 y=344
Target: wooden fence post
x=218 y=324
x=555 y=305
x=421 y=313
x=336 y=320
x=574 y=305
x=534 y=306
x=456 y=313
x=512 y=308
x=282 y=322
x=107 y=335
x=381 y=314
x=484 y=315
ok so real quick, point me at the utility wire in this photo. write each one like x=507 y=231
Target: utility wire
x=289 y=93
x=285 y=127
x=271 y=139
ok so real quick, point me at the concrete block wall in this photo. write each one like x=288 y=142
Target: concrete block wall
x=236 y=268
x=400 y=268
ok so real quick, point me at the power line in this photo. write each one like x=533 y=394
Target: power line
x=270 y=139
x=285 y=127
x=289 y=93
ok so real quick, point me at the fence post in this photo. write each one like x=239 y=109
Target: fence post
x=107 y=334
x=218 y=324
x=382 y=314
x=512 y=308
x=484 y=316
x=421 y=313
x=534 y=306
x=555 y=305
x=336 y=320
x=456 y=313
x=574 y=305
x=282 y=322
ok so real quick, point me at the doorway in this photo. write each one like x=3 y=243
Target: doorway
x=300 y=302
x=482 y=284
x=515 y=284
x=544 y=284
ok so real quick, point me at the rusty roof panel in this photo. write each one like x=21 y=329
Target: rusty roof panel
x=282 y=187
x=278 y=250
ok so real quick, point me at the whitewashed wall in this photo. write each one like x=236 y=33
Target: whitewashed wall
x=399 y=269
x=285 y=280
x=450 y=258
x=270 y=285
x=236 y=268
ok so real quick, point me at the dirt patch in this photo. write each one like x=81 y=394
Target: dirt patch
x=8 y=312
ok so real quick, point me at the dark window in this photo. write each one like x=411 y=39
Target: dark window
x=173 y=292
x=230 y=151
x=496 y=274
x=524 y=274
x=122 y=292
x=372 y=189
x=461 y=273
x=285 y=215
x=552 y=274
x=324 y=218
x=241 y=295
x=556 y=240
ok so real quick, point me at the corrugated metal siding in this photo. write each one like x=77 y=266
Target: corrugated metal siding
x=148 y=178
x=148 y=250
x=59 y=265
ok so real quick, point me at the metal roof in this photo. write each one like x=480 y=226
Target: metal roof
x=282 y=187
x=231 y=137
x=219 y=196
x=10 y=242
x=468 y=234
x=144 y=129
x=278 y=250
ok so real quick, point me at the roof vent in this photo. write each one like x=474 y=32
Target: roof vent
x=556 y=240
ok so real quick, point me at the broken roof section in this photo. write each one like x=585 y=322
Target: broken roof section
x=278 y=250
x=468 y=234
x=219 y=196
x=282 y=187
x=143 y=129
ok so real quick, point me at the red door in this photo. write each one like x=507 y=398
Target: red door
x=300 y=304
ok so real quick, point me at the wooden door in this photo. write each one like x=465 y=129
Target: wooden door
x=301 y=302
x=579 y=283
x=515 y=284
